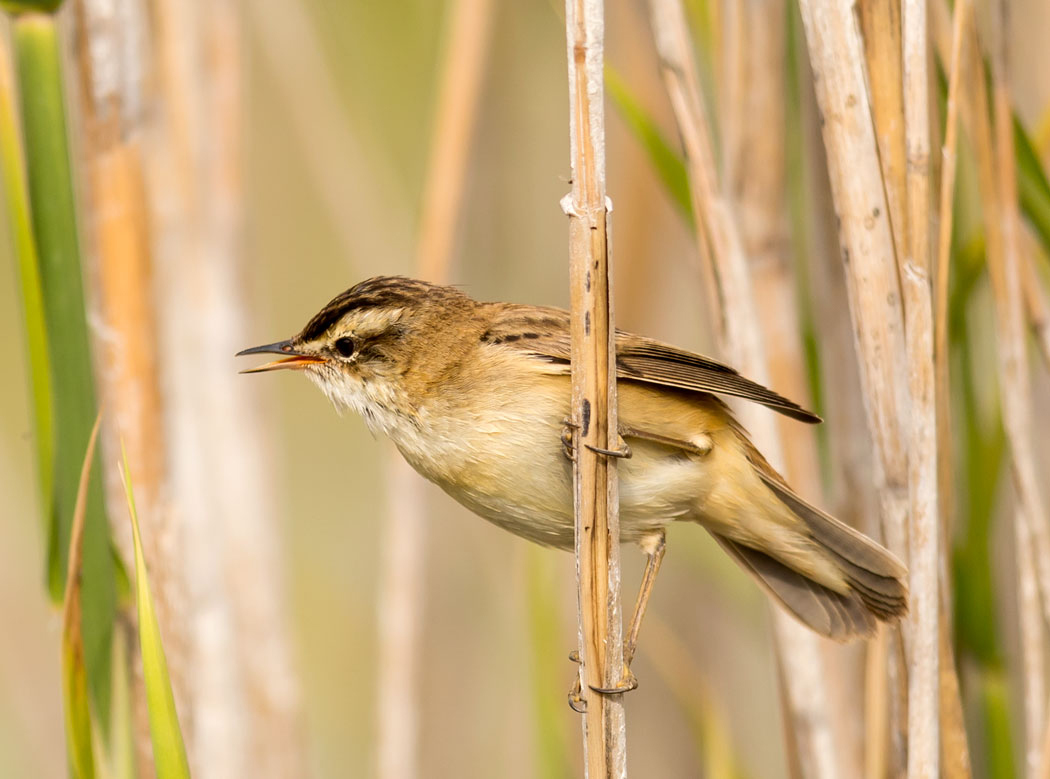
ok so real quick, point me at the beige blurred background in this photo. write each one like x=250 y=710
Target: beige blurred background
x=306 y=244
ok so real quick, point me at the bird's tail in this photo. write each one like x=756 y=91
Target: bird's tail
x=846 y=581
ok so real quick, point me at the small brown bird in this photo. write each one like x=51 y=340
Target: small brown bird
x=476 y=397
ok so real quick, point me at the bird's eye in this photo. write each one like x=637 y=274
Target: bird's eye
x=345 y=346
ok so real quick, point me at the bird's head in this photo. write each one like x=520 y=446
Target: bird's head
x=376 y=347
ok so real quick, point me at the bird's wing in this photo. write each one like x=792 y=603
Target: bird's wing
x=544 y=332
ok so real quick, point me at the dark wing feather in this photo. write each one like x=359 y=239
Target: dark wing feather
x=545 y=333
x=652 y=362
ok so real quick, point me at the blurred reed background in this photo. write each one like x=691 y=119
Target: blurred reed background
x=278 y=153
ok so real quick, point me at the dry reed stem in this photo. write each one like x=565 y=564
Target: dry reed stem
x=348 y=179
x=458 y=94
x=880 y=22
x=924 y=528
x=242 y=686
x=803 y=675
x=1032 y=639
x=112 y=70
x=955 y=753
x=401 y=596
x=754 y=165
x=675 y=663
x=961 y=15
x=596 y=499
x=868 y=250
x=1030 y=517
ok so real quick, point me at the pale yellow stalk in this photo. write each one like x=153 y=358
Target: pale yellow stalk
x=596 y=500
x=741 y=339
x=404 y=537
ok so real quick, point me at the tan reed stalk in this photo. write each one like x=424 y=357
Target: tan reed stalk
x=754 y=165
x=1032 y=639
x=401 y=596
x=868 y=251
x=348 y=179
x=242 y=687
x=924 y=532
x=880 y=22
x=803 y=676
x=1005 y=268
x=596 y=500
x=955 y=753
x=119 y=266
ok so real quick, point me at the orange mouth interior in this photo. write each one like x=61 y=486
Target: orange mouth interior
x=298 y=361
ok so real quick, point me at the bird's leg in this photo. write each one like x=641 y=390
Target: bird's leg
x=655 y=552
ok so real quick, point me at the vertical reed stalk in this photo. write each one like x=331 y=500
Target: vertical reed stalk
x=955 y=752
x=867 y=233
x=596 y=500
x=112 y=71
x=1004 y=266
x=924 y=532
x=401 y=595
x=348 y=179
x=242 y=690
x=804 y=679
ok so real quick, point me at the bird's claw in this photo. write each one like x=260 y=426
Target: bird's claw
x=624 y=452
x=569 y=448
x=578 y=703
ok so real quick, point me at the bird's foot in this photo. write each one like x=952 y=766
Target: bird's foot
x=576 y=700
x=568 y=448
x=628 y=681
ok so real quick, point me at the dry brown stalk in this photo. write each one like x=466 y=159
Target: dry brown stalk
x=1005 y=269
x=596 y=500
x=868 y=244
x=880 y=22
x=465 y=54
x=924 y=528
x=836 y=56
x=242 y=683
x=975 y=115
x=803 y=675
x=119 y=266
x=401 y=595
x=955 y=754
x=348 y=179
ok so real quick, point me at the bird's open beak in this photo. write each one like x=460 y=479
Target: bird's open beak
x=292 y=358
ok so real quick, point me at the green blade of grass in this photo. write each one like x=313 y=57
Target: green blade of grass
x=169 y=751
x=74 y=671
x=14 y=179
x=666 y=161
x=1032 y=185
x=73 y=398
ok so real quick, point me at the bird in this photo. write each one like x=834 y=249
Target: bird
x=476 y=397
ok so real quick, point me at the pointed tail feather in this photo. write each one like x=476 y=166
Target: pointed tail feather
x=829 y=613
x=873 y=572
